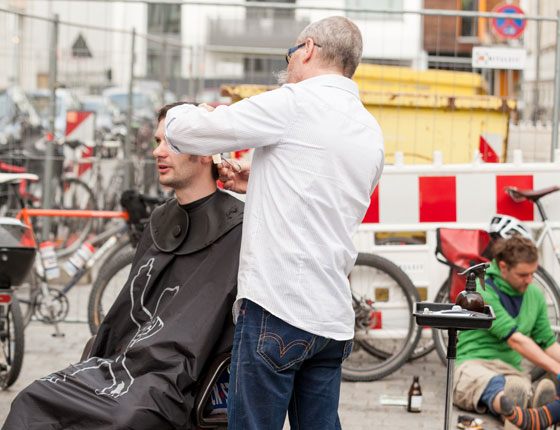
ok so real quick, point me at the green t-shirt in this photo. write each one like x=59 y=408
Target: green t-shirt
x=532 y=320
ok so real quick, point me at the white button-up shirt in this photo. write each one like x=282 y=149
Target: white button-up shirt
x=318 y=157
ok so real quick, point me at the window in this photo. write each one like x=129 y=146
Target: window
x=164 y=18
x=469 y=26
x=374 y=5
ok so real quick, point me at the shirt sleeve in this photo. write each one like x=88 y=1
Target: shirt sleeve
x=250 y=123
x=504 y=325
x=542 y=333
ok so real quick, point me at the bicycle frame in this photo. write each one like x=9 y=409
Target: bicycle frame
x=25 y=215
x=547 y=231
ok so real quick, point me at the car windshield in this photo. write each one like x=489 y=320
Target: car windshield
x=95 y=106
x=140 y=101
x=41 y=103
x=7 y=109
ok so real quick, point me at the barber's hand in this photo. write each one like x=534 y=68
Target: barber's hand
x=205 y=106
x=235 y=176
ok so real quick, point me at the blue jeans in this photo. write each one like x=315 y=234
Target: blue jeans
x=277 y=368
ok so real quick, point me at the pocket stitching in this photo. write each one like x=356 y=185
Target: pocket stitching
x=264 y=356
x=285 y=348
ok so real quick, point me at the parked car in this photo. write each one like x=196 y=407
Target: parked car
x=106 y=113
x=66 y=101
x=142 y=105
x=20 y=124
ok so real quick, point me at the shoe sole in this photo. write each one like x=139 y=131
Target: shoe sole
x=515 y=390
x=545 y=393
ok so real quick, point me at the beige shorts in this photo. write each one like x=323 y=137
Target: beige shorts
x=472 y=376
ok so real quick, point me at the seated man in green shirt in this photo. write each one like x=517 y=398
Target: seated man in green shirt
x=488 y=372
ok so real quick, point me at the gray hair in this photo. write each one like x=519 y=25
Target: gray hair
x=340 y=40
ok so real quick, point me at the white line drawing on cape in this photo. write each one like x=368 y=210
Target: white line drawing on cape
x=122 y=380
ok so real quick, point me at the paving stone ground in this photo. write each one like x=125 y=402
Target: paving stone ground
x=360 y=407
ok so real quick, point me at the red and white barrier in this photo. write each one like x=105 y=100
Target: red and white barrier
x=421 y=198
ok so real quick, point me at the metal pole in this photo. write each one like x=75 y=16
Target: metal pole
x=554 y=143
x=49 y=153
x=128 y=141
x=451 y=356
x=537 y=67
x=164 y=72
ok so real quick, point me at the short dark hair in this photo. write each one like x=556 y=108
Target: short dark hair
x=162 y=113
x=514 y=250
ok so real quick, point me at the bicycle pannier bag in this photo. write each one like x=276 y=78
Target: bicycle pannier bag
x=460 y=249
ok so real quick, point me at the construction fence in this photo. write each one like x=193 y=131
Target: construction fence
x=460 y=82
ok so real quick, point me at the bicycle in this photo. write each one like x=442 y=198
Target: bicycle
x=51 y=305
x=385 y=331
x=69 y=193
x=16 y=259
x=425 y=345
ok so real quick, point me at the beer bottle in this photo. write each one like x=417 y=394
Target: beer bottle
x=415 y=396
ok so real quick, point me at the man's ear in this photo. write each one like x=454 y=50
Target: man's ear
x=308 y=51
x=502 y=265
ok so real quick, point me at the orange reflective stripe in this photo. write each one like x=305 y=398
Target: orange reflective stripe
x=548 y=415
x=519 y=416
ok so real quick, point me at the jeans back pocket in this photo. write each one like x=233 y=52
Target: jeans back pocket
x=282 y=345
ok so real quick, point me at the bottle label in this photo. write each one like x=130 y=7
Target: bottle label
x=78 y=259
x=49 y=260
x=416 y=403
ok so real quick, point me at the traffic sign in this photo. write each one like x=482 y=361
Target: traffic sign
x=509 y=28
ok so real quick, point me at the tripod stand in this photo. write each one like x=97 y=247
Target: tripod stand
x=452 y=318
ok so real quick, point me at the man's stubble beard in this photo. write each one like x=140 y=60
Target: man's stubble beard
x=281 y=76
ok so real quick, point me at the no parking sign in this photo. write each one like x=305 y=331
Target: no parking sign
x=509 y=28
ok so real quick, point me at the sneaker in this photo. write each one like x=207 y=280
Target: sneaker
x=545 y=393
x=516 y=391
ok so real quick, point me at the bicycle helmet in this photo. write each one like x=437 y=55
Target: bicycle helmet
x=506 y=226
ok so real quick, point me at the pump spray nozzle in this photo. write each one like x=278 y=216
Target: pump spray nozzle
x=469 y=298
x=473 y=272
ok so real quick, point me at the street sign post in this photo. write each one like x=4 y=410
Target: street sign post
x=509 y=28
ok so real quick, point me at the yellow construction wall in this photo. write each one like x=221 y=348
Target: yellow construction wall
x=418 y=132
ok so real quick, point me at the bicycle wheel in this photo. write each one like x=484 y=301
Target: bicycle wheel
x=425 y=344
x=12 y=343
x=26 y=293
x=107 y=286
x=549 y=289
x=386 y=333
x=73 y=194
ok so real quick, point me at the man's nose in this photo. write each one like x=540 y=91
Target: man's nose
x=158 y=151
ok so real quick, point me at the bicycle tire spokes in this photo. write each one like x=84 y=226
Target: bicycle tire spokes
x=386 y=333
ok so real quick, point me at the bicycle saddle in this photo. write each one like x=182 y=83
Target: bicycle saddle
x=532 y=195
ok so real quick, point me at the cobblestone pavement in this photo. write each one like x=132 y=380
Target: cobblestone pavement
x=360 y=407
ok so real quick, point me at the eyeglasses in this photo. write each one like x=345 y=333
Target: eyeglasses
x=294 y=49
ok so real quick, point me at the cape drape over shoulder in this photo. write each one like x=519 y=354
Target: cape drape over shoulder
x=171 y=318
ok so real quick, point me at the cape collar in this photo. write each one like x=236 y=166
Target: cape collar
x=174 y=231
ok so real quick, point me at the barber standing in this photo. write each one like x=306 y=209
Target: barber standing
x=318 y=157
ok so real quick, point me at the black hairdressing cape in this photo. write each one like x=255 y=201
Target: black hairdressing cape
x=171 y=318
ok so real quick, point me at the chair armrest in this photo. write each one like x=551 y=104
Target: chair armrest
x=218 y=365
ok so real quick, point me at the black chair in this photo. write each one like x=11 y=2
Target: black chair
x=202 y=403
